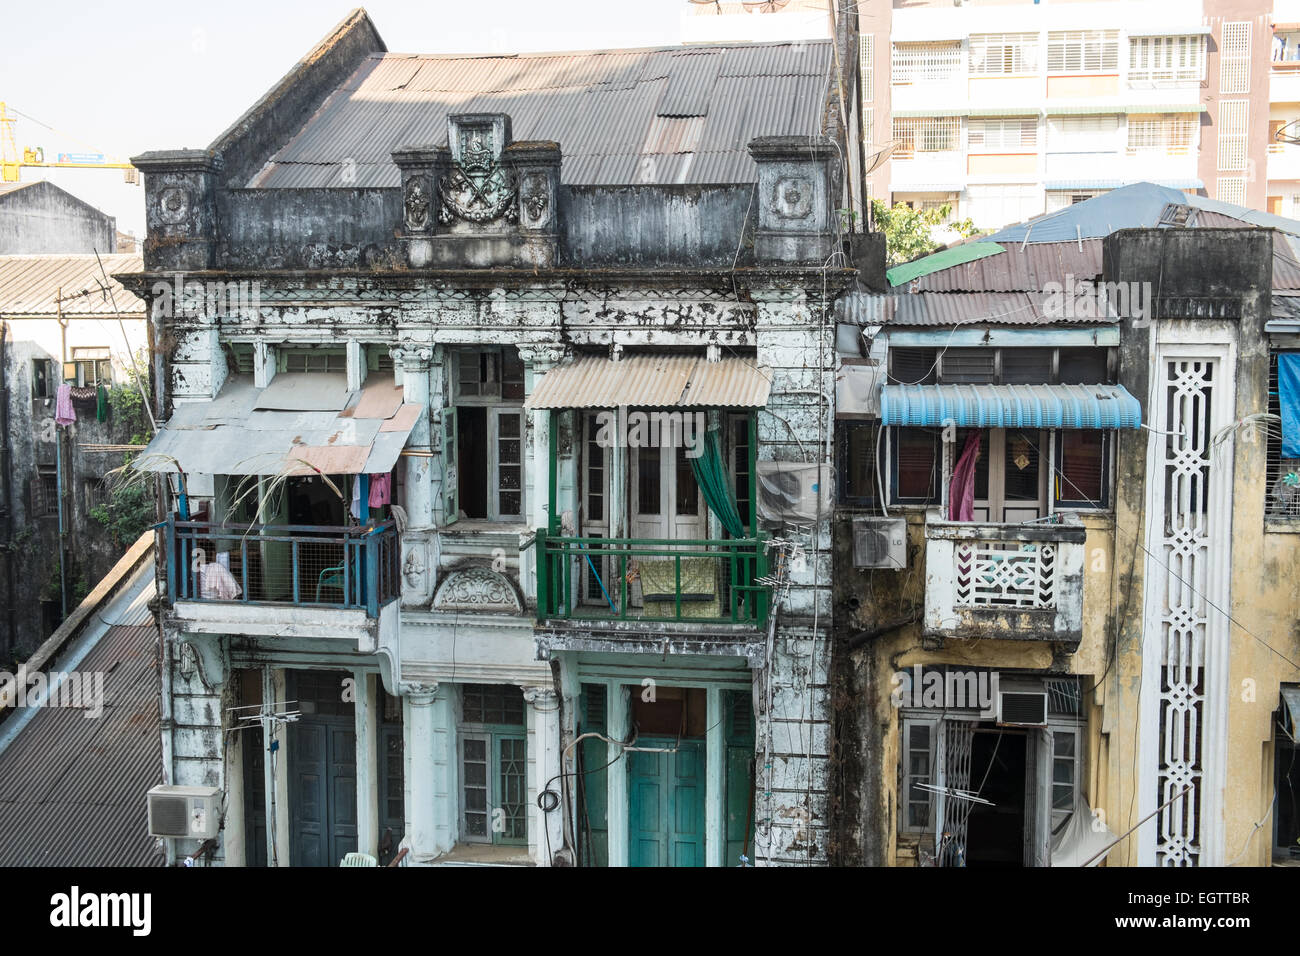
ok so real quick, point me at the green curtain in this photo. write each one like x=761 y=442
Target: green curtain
x=711 y=476
x=101 y=404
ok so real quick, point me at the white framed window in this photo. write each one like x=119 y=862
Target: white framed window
x=1072 y=52
x=1171 y=135
x=1058 y=199
x=1234 y=58
x=506 y=469
x=925 y=134
x=1231 y=189
x=1083 y=134
x=994 y=205
x=1001 y=135
x=919 y=766
x=1234 y=124
x=1065 y=773
x=92 y=366
x=913 y=63
x=1166 y=60
x=493 y=765
x=1001 y=54
x=867 y=65
x=484 y=431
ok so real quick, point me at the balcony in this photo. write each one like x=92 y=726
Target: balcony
x=1019 y=582
x=284 y=580
x=1283 y=161
x=641 y=587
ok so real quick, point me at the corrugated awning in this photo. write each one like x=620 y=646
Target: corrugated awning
x=1010 y=406
x=236 y=434
x=653 y=381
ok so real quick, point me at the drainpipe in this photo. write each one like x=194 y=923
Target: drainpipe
x=11 y=583
x=61 y=487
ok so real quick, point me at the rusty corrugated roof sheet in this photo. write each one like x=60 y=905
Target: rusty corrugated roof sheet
x=31 y=285
x=72 y=788
x=604 y=108
x=653 y=381
x=946 y=309
x=1020 y=268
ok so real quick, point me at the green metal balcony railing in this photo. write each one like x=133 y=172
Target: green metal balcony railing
x=652 y=580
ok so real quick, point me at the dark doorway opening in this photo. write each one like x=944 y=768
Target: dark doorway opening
x=471 y=425
x=995 y=835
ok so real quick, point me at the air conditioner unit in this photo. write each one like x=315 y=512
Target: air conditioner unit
x=1022 y=708
x=789 y=492
x=879 y=542
x=192 y=813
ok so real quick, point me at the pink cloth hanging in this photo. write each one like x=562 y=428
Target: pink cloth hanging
x=961 y=493
x=64 y=413
x=381 y=488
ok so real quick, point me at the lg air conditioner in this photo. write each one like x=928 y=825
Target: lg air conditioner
x=879 y=542
x=192 y=813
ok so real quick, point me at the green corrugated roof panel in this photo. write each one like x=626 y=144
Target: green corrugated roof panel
x=967 y=252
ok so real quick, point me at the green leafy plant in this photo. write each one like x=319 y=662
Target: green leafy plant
x=908 y=231
x=128 y=510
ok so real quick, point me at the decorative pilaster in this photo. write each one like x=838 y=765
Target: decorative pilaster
x=548 y=819
x=180 y=209
x=538 y=360
x=427 y=747
x=419 y=565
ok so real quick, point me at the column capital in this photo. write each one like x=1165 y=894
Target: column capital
x=541 y=356
x=413 y=358
x=421 y=694
x=543 y=698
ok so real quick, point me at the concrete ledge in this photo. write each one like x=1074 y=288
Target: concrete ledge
x=214 y=617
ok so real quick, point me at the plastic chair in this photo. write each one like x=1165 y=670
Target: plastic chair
x=329 y=578
x=359 y=859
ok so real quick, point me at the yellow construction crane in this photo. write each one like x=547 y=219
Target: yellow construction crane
x=12 y=162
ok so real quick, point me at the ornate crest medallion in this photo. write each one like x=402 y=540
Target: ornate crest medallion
x=477 y=189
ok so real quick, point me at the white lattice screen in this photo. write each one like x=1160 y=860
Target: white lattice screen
x=924 y=62
x=1234 y=126
x=1173 y=59
x=1005 y=574
x=1234 y=60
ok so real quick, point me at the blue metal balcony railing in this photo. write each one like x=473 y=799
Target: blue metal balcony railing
x=294 y=565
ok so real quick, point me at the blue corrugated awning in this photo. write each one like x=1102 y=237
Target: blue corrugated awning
x=1010 y=406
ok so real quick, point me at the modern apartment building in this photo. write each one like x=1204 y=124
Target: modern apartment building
x=1006 y=110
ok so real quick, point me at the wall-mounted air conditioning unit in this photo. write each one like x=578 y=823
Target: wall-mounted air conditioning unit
x=789 y=492
x=192 y=813
x=879 y=542
x=1022 y=708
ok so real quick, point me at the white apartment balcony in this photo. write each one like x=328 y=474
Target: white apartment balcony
x=918 y=93
x=1160 y=165
x=1284 y=82
x=1084 y=165
x=1283 y=162
x=1017 y=582
x=928 y=172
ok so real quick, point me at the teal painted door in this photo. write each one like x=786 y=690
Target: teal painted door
x=666 y=811
x=322 y=790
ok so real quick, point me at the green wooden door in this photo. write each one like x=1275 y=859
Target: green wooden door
x=666 y=804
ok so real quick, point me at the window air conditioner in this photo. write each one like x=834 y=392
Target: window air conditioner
x=192 y=813
x=1022 y=708
x=879 y=542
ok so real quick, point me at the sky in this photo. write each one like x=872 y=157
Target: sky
x=123 y=78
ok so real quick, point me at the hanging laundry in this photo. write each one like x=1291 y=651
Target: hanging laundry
x=101 y=404
x=355 y=510
x=64 y=414
x=381 y=487
x=1288 y=388
x=961 y=493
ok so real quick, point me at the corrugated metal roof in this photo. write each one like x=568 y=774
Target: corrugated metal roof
x=1019 y=268
x=601 y=107
x=32 y=285
x=1010 y=406
x=653 y=381
x=72 y=788
x=947 y=309
x=235 y=434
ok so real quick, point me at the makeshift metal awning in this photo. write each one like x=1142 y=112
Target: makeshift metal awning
x=653 y=381
x=300 y=423
x=1010 y=406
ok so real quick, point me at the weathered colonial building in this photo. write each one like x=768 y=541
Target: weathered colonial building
x=1066 y=533
x=496 y=455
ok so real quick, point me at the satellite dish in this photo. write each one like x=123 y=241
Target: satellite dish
x=764 y=6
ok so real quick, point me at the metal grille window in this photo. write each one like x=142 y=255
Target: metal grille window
x=1234 y=58
x=1083 y=134
x=1283 y=481
x=92 y=367
x=913 y=63
x=1166 y=60
x=857 y=464
x=492 y=704
x=1082 y=51
x=1001 y=135
x=1234 y=123
x=919 y=755
x=968 y=366
x=1231 y=189
x=867 y=65
x=45 y=493
x=1058 y=199
x=998 y=54
x=925 y=134
x=1170 y=135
